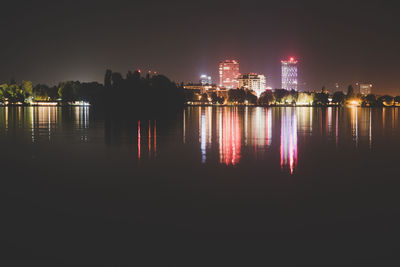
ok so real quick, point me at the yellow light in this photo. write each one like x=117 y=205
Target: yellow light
x=354 y=103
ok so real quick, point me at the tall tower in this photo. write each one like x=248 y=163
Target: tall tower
x=289 y=74
x=228 y=74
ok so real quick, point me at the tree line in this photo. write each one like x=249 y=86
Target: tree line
x=285 y=97
x=25 y=93
x=132 y=90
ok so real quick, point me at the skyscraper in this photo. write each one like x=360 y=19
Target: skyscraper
x=289 y=74
x=228 y=74
x=253 y=82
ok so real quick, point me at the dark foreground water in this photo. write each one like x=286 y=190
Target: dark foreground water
x=208 y=187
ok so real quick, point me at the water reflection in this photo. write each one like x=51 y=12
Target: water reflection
x=289 y=139
x=229 y=131
x=229 y=136
x=82 y=121
x=238 y=134
x=147 y=136
x=354 y=125
x=261 y=122
x=44 y=121
x=41 y=124
x=230 y=141
x=203 y=136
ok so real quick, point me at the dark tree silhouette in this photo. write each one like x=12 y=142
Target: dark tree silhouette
x=189 y=96
x=68 y=91
x=236 y=96
x=216 y=99
x=338 y=98
x=204 y=98
x=397 y=99
x=350 y=92
x=266 y=98
x=321 y=99
x=250 y=97
x=370 y=100
x=135 y=94
x=107 y=79
x=280 y=94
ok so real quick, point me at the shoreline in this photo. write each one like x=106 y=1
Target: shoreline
x=44 y=104
x=286 y=106
x=53 y=104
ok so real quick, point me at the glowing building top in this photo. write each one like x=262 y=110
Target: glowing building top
x=228 y=74
x=289 y=74
x=205 y=80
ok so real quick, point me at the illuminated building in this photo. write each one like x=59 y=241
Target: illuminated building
x=228 y=74
x=253 y=82
x=205 y=80
x=198 y=88
x=289 y=74
x=365 y=88
x=201 y=89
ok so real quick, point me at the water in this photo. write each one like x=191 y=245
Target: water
x=215 y=186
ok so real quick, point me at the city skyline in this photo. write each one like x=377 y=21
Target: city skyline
x=334 y=42
x=205 y=79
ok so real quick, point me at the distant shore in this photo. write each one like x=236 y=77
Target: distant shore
x=286 y=105
x=58 y=104
x=46 y=104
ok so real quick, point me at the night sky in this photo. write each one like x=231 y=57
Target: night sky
x=335 y=41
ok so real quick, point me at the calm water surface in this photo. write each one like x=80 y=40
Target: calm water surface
x=215 y=186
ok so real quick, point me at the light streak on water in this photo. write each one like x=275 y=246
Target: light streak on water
x=288 y=146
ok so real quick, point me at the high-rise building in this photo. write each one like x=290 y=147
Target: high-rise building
x=205 y=80
x=289 y=74
x=365 y=88
x=228 y=74
x=254 y=82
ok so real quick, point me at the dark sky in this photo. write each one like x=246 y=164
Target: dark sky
x=335 y=41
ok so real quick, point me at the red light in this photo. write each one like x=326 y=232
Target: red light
x=292 y=59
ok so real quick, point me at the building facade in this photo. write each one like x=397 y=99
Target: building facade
x=289 y=74
x=253 y=82
x=228 y=74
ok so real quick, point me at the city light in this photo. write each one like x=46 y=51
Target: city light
x=355 y=103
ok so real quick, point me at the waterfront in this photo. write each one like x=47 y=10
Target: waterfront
x=238 y=184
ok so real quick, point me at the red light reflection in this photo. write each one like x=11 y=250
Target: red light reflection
x=230 y=138
x=139 y=140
